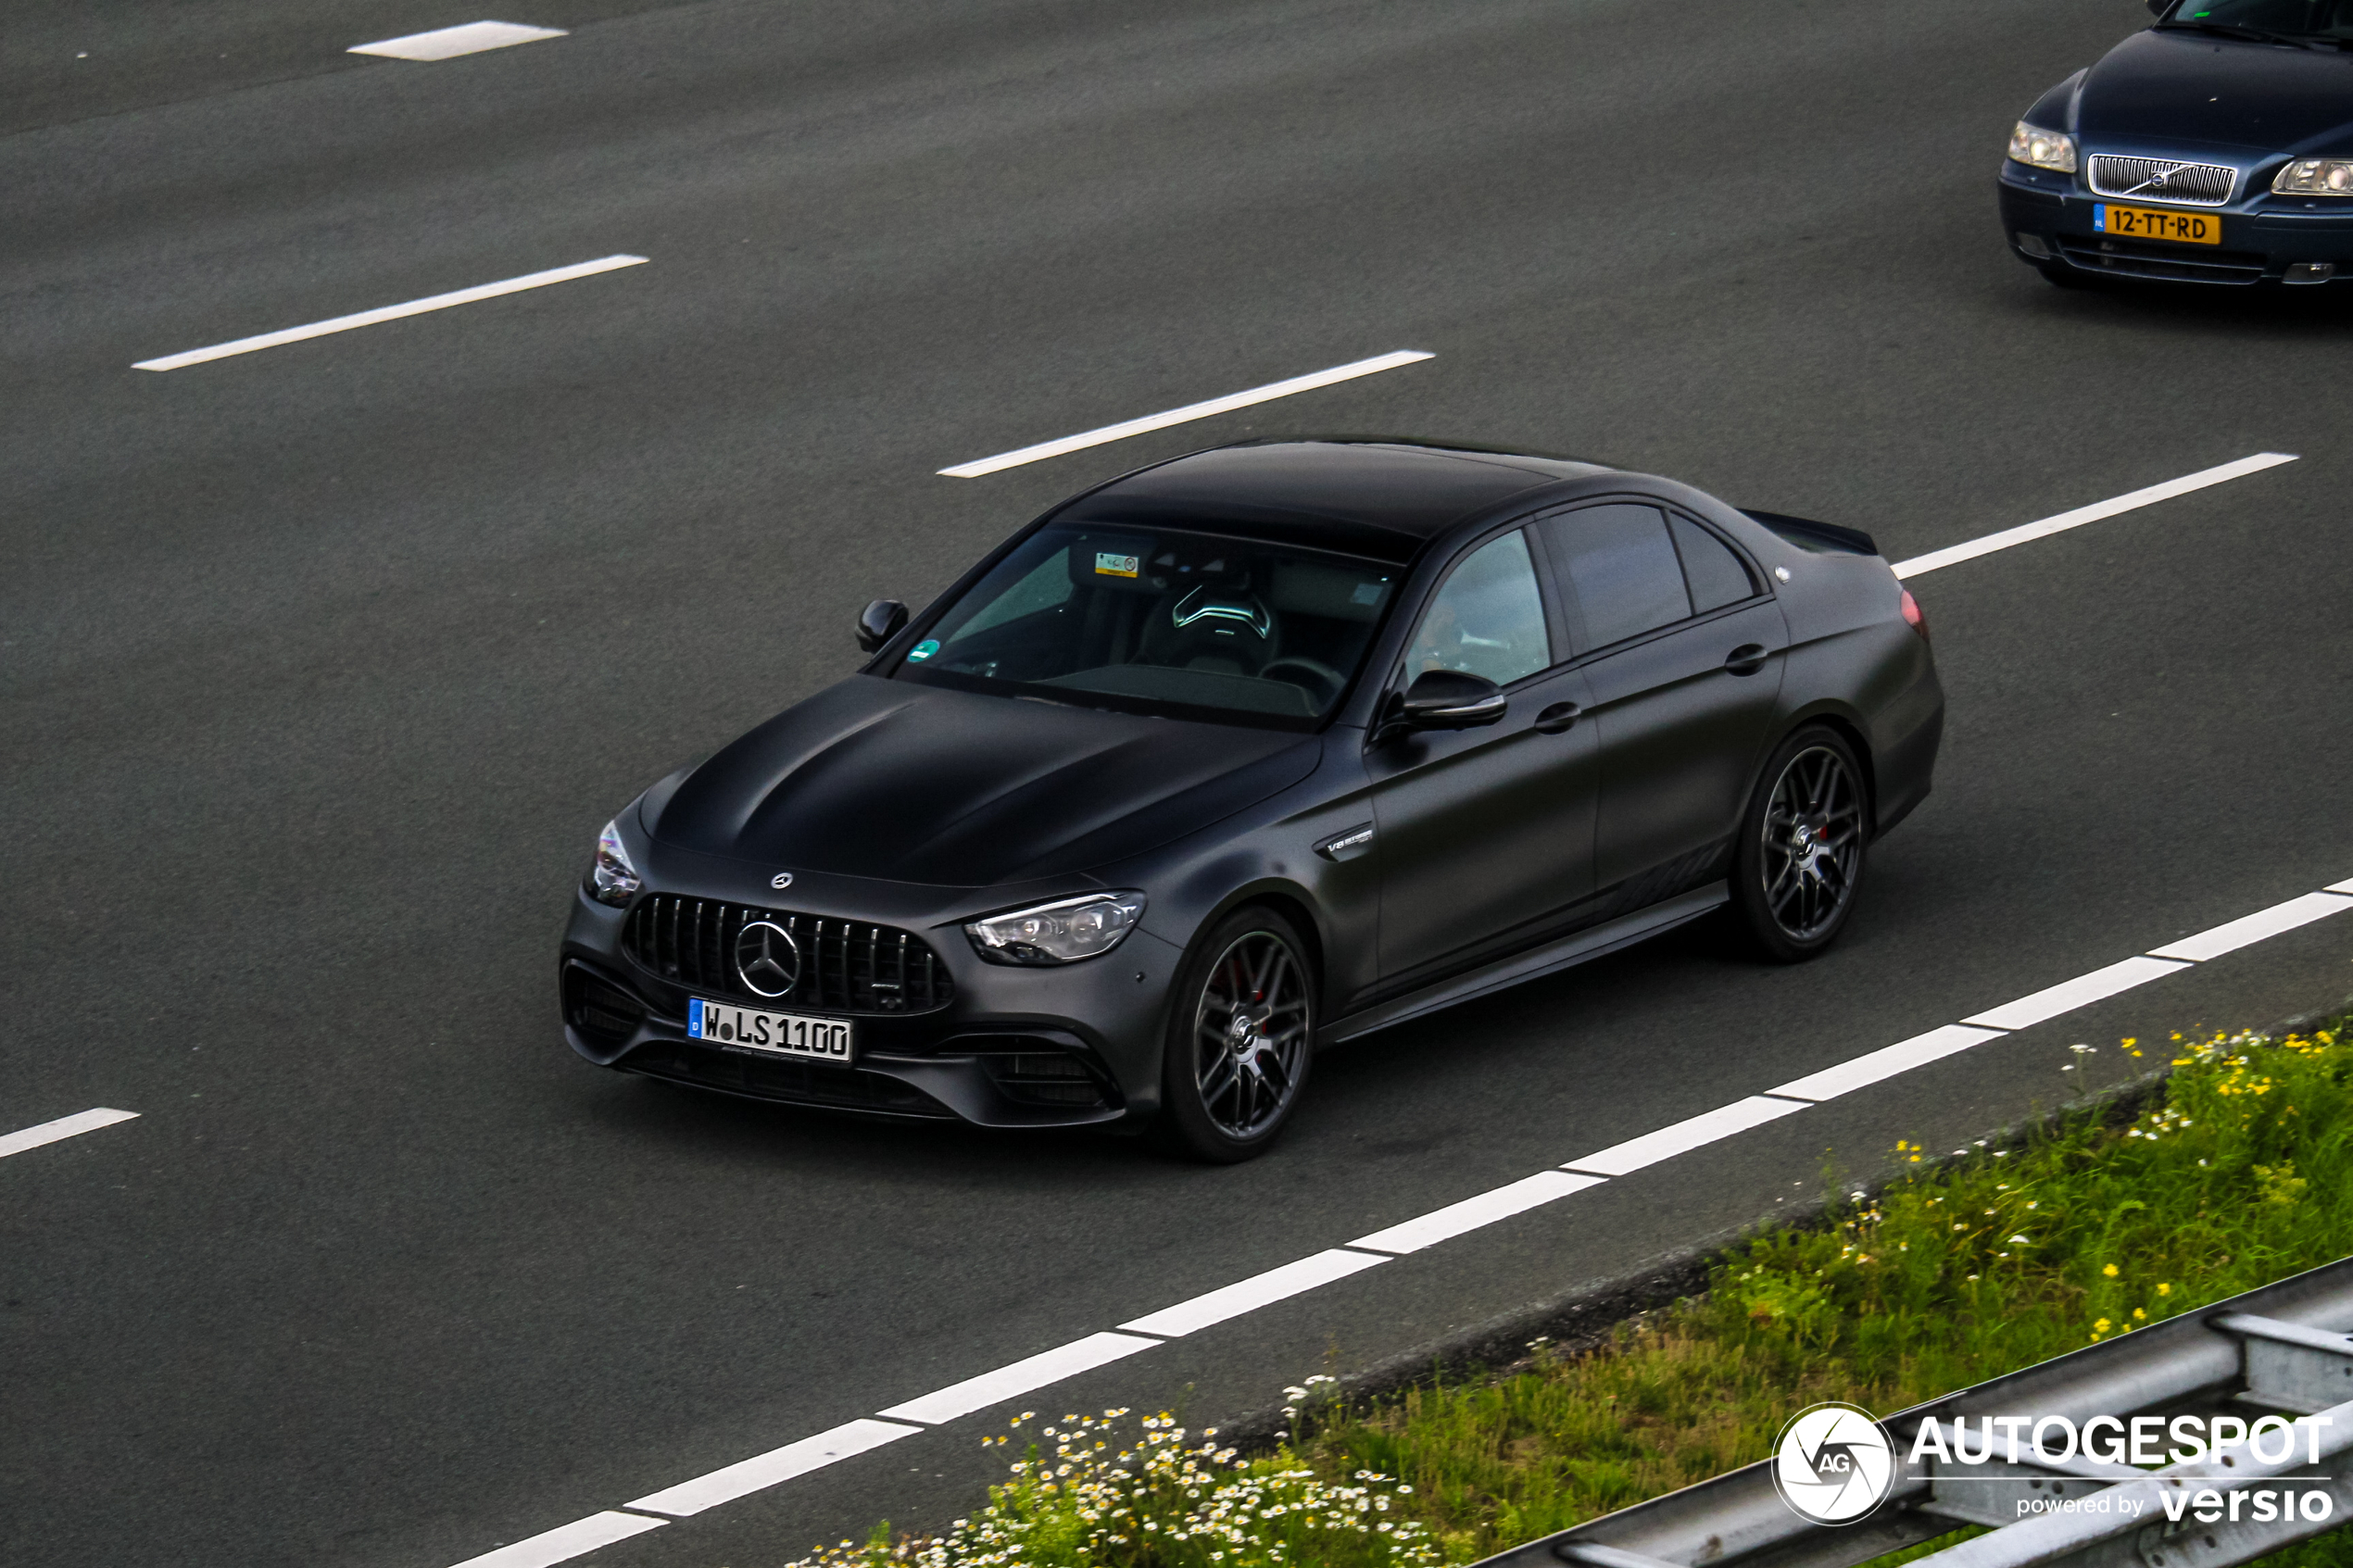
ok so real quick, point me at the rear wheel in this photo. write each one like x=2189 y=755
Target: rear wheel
x=1241 y=1031
x=1800 y=856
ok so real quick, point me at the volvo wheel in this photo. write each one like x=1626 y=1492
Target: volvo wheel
x=1241 y=1031
x=1800 y=856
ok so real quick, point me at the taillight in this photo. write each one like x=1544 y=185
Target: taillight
x=1912 y=616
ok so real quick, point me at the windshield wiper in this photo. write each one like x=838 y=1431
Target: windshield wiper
x=2238 y=30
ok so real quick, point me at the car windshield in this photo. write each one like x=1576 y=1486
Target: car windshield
x=2284 y=18
x=1182 y=624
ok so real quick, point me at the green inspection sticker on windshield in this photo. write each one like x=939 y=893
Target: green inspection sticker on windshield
x=923 y=650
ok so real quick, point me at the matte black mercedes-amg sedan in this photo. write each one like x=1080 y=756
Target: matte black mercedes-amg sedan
x=1248 y=753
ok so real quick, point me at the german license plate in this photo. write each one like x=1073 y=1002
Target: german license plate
x=774 y=1034
x=2158 y=223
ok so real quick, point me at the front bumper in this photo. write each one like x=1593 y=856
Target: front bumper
x=1068 y=1046
x=2265 y=239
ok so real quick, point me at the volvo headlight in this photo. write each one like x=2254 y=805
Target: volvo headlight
x=614 y=877
x=2315 y=177
x=2043 y=149
x=1058 y=933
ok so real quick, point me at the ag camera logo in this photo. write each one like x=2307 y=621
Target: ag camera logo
x=1833 y=1464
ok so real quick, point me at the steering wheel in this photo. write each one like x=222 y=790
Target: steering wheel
x=1332 y=680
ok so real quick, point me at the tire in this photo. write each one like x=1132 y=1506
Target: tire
x=1242 y=1033
x=1798 y=862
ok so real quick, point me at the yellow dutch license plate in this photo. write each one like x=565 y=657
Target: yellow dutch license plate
x=2158 y=223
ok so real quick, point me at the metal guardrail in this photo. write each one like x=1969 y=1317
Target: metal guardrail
x=2286 y=1348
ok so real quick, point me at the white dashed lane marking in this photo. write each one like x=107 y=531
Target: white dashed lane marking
x=1185 y=415
x=1482 y=1209
x=391 y=312
x=448 y=42
x=63 y=1127
x=567 y=1541
x=2080 y=992
x=1953 y=553
x=763 y=1471
x=1025 y=1376
x=1248 y=1294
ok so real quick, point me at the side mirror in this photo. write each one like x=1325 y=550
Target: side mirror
x=2157 y=7
x=1451 y=699
x=878 y=622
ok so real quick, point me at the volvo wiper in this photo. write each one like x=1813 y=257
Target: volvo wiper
x=2238 y=30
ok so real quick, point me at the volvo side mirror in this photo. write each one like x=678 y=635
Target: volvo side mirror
x=878 y=622
x=1451 y=699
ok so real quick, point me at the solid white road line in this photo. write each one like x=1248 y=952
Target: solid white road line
x=1021 y=1377
x=766 y=1470
x=1485 y=1208
x=1188 y=412
x=1885 y=1062
x=2238 y=934
x=448 y=42
x=1709 y=1126
x=393 y=312
x=2069 y=994
x=567 y=1541
x=63 y=1127
x=1952 y=554
x=1248 y=1294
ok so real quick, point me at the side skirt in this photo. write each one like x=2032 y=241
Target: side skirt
x=1591 y=942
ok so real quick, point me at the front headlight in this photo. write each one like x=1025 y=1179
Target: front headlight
x=613 y=878
x=2043 y=149
x=1058 y=933
x=2315 y=177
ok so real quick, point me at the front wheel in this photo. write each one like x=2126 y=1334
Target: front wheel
x=1800 y=856
x=1241 y=1031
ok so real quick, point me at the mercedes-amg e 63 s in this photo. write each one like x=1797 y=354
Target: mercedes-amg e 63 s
x=1248 y=753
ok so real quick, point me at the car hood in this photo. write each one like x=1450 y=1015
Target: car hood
x=2188 y=87
x=889 y=779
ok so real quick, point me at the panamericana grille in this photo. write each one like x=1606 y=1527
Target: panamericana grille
x=846 y=966
x=2163 y=179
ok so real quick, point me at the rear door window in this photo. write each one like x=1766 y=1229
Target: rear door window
x=1622 y=567
x=1718 y=576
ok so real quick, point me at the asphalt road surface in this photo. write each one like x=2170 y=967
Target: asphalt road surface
x=323 y=664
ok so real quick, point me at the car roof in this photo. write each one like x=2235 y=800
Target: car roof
x=1358 y=496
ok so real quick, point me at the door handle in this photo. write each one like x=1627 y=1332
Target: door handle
x=1557 y=717
x=1746 y=660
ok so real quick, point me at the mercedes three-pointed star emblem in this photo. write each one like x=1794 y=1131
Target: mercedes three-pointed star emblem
x=767 y=957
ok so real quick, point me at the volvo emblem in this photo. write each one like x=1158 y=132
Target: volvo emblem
x=767 y=957
x=782 y=879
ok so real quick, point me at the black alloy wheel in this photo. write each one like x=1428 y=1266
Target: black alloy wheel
x=1242 y=1033
x=1800 y=856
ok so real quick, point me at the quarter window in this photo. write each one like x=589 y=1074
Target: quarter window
x=1487 y=619
x=1718 y=576
x=1623 y=567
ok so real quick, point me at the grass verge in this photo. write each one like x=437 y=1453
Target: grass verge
x=2239 y=1170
